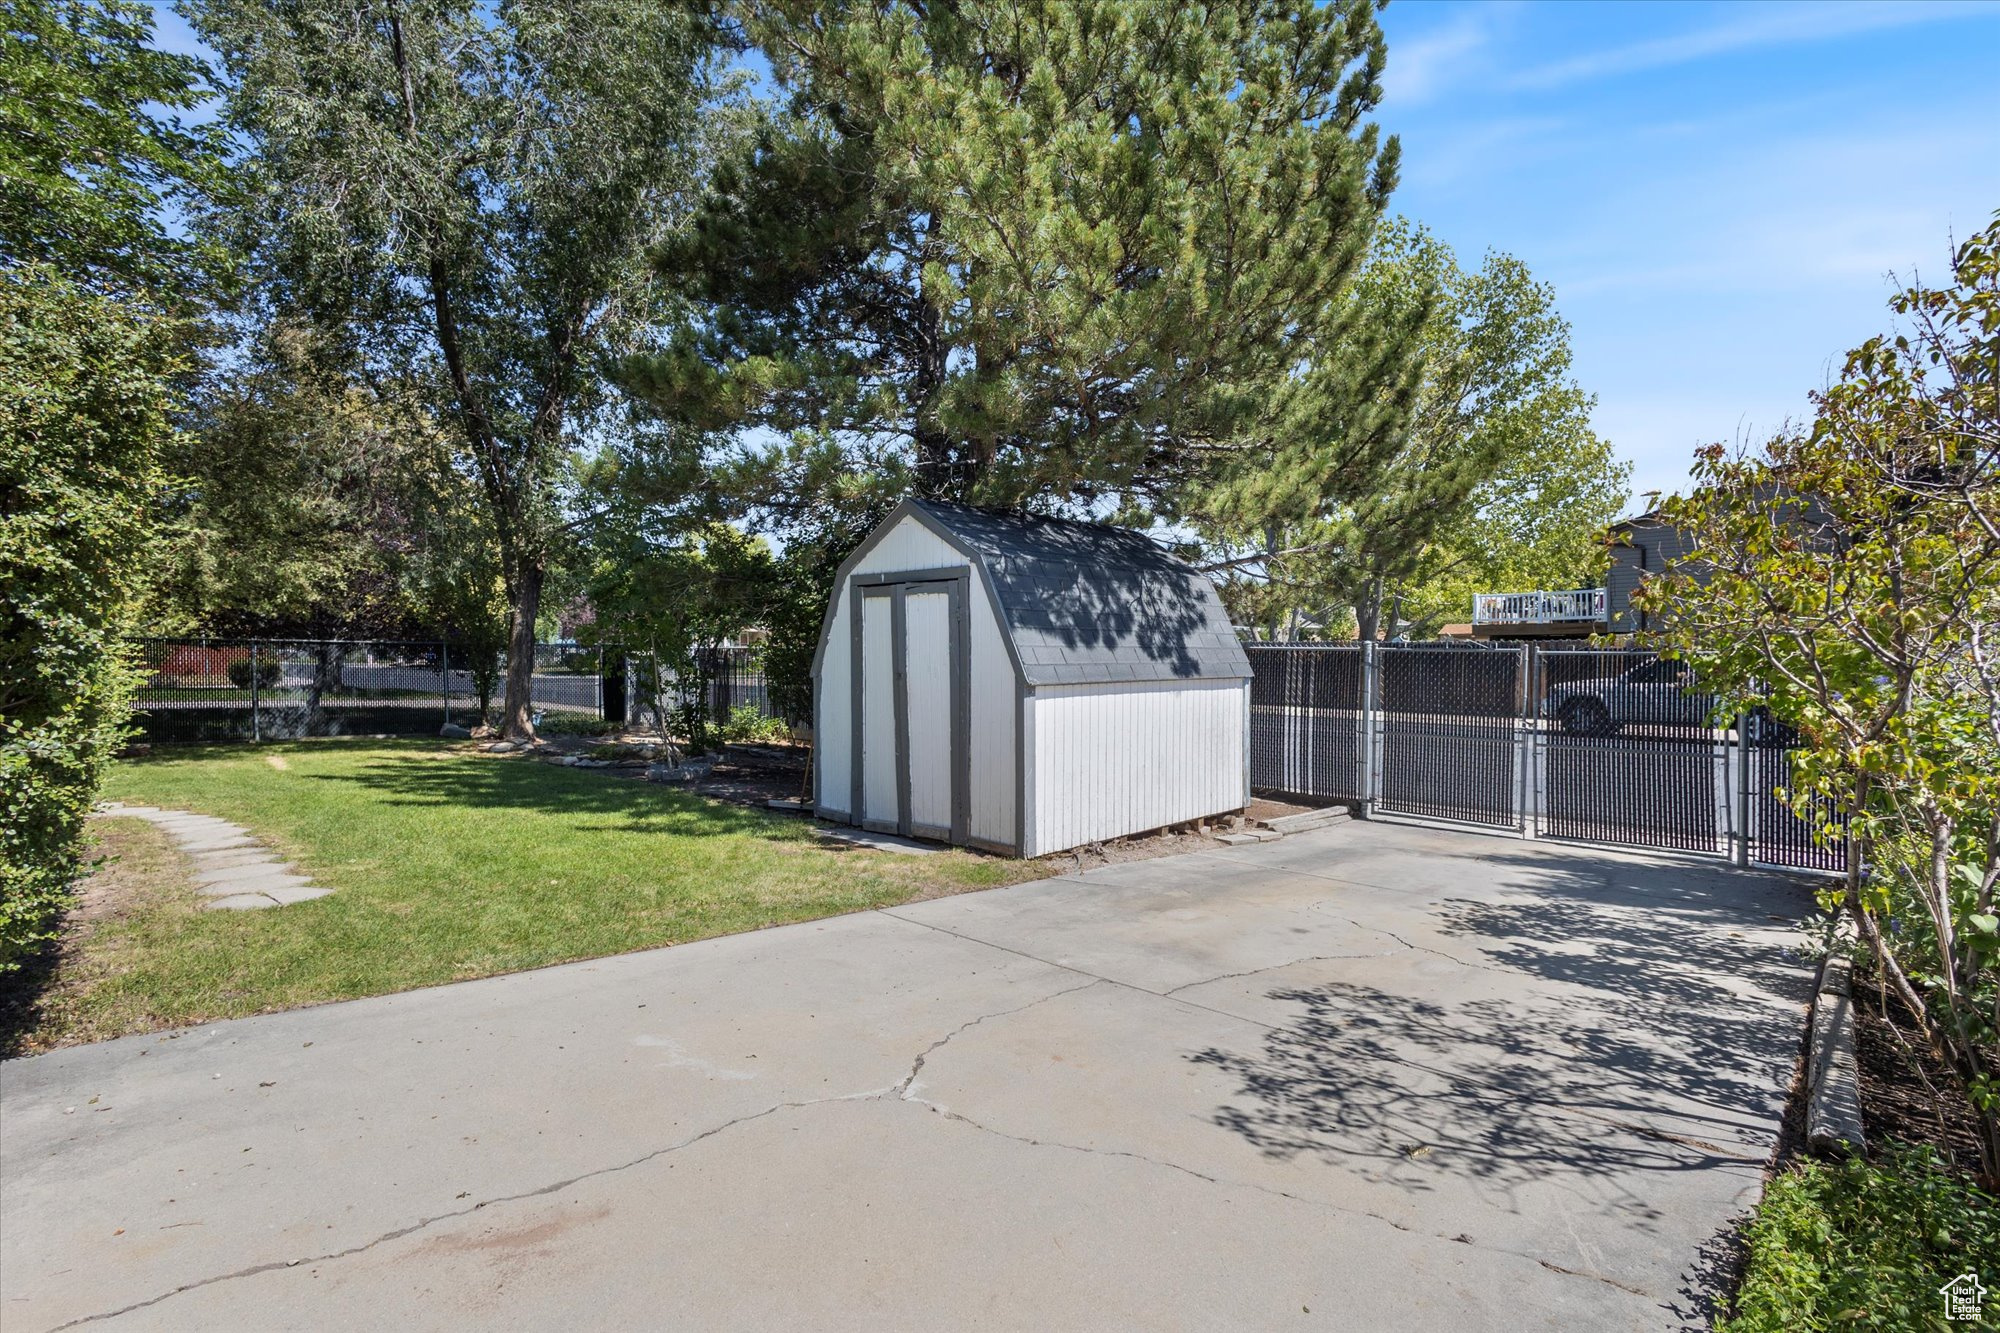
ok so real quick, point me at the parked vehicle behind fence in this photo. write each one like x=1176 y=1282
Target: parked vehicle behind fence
x=1654 y=693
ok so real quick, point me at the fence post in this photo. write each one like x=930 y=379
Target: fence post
x=1371 y=684
x=1529 y=730
x=256 y=727
x=1742 y=848
x=444 y=677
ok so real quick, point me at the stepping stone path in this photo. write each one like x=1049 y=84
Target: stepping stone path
x=230 y=866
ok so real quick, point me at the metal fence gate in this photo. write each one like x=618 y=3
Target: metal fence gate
x=1305 y=720
x=1778 y=836
x=1625 y=752
x=1611 y=746
x=1447 y=733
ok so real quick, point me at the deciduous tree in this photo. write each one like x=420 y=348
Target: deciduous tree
x=1478 y=461
x=1847 y=578
x=475 y=188
x=92 y=344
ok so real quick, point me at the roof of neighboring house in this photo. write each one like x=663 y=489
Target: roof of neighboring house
x=1087 y=603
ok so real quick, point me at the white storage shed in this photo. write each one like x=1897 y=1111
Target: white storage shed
x=1025 y=685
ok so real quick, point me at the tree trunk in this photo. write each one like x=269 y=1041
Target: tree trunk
x=324 y=676
x=941 y=472
x=1368 y=612
x=516 y=709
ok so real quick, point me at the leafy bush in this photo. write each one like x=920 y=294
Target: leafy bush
x=268 y=670
x=574 y=724
x=1863 y=1245
x=746 y=722
x=84 y=412
x=1845 y=580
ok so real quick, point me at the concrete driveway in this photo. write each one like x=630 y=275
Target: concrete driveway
x=1373 y=1077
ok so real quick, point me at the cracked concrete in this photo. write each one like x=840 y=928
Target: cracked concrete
x=1385 y=1078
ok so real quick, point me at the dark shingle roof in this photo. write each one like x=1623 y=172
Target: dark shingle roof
x=1090 y=604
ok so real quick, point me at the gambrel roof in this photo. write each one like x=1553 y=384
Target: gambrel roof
x=1088 y=603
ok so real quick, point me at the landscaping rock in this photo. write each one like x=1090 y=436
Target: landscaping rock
x=692 y=770
x=451 y=731
x=502 y=747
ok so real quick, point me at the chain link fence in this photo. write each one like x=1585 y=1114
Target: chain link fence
x=220 y=690
x=217 y=690
x=1615 y=746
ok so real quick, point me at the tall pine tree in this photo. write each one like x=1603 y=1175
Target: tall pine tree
x=1066 y=254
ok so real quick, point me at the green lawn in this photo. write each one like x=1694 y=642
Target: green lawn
x=447 y=865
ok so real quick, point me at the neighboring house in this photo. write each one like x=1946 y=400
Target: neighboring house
x=1639 y=546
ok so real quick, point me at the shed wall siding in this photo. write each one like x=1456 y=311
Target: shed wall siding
x=1116 y=760
x=833 y=705
x=993 y=709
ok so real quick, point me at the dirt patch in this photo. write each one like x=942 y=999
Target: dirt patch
x=1143 y=847
x=1265 y=807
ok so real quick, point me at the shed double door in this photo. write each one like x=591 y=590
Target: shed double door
x=913 y=675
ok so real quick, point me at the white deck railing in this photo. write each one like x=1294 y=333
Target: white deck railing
x=1537 y=608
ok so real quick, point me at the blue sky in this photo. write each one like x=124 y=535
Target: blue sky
x=1717 y=192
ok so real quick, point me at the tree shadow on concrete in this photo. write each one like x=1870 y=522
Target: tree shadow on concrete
x=1652 y=1037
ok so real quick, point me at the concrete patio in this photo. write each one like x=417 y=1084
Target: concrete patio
x=1371 y=1077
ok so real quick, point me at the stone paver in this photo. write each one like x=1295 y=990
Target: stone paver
x=1368 y=1077
x=235 y=870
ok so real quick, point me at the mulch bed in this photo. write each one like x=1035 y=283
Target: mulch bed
x=1905 y=1090
x=755 y=774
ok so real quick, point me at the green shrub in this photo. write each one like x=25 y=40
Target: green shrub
x=747 y=722
x=1865 y=1245
x=574 y=724
x=268 y=670
x=84 y=413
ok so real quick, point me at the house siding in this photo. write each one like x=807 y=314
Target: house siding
x=1647 y=548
